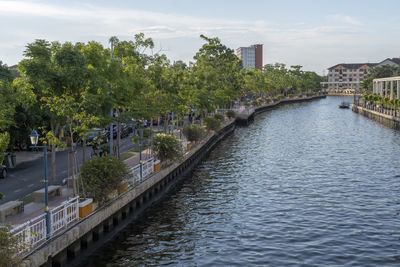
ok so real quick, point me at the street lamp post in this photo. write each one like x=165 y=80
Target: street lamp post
x=140 y=154
x=34 y=136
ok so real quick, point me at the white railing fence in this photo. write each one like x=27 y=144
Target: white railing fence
x=31 y=233
x=64 y=214
x=148 y=168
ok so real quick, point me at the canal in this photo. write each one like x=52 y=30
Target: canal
x=305 y=184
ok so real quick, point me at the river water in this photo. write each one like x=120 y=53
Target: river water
x=306 y=184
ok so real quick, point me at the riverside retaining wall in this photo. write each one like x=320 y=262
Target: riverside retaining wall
x=247 y=118
x=384 y=119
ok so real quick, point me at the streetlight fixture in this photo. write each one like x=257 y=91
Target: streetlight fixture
x=140 y=155
x=34 y=136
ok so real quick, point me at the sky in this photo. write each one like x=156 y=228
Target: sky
x=316 y=34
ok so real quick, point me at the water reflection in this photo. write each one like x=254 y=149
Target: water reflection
x=306 y=184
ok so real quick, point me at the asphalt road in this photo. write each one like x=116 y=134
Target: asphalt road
x=28 y=176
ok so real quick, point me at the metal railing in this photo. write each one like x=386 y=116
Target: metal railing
x=33 y=232
x=64 y=214
x=148 y=169
x=379 y=108
x=29 y=234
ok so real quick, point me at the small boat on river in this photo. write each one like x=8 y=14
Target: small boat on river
x=344 y=105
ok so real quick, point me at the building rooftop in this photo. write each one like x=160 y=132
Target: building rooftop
x=395 y=60
x=353 y=65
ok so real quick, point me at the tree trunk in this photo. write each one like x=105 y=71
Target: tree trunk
x=72 y=160
x=151 y=137
x=118 y=138
x=83 y=151
x=54 y=129
x=166 y=123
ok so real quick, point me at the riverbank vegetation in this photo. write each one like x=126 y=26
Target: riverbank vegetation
x=66 y=89
x=379 y=72
x=378 y=100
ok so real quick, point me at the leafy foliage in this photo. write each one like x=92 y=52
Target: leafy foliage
x=379 y=72
x=167 y=147
x=193 y=132
x=4 y=140
x=219 y=116
x=9 y=248
x=212 y=123
x=101 y=176
x=5 y=72
x=231 y=113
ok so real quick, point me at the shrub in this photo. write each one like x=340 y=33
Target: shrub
x=231 y=114
x=167 y=147
x=101 y=176
x=193 y=132
x=212 y=123
x=105 y=148
x=219 y=116
x=10 y=245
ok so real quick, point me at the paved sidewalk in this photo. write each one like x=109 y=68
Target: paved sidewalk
x=34 y=209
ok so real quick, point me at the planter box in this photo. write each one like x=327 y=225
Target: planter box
x=123 y=188
x=85 y=208
x=188 y=146
x=157 y=166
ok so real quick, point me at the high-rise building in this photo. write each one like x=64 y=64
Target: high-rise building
x=251 y=56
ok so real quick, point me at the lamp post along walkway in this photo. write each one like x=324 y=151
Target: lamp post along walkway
x=34 y=136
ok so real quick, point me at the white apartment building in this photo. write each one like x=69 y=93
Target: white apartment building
x=347 y=77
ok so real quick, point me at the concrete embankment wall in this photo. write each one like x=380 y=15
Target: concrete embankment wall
x=384 y=119
x=246 y=119
x=92 y=232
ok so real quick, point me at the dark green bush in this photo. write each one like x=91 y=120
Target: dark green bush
x=101 y=176
x=219 y=116
x=167 y=147
x=231 y=114
x=193 y=132
x=212 y=123
x=105 y=148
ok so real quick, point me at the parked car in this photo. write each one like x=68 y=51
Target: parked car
x=125 y=130
x=155 y=121
x=3 y=171
x=94 y=135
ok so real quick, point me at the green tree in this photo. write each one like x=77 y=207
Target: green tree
x=5 y=73
x=379 y=72
x=167 y=147
x=216 y=74
x=102 y=176
x=10 y=247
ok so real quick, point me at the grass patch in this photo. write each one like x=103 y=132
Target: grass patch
x=27 y=199
x=144 y=147
x=128 y=154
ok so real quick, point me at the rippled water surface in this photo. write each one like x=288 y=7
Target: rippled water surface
x=306 y=184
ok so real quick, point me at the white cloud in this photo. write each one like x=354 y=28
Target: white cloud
x=344 y=19
x=291 y=43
